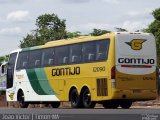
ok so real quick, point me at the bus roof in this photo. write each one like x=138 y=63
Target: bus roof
x=65 y=42
x=76 y=40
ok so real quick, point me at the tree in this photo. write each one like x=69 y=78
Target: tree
x=97 y=32
x=73 y=34
x=154 y=28
x=29 y=41
x=121 y=29
x=49 y=28
x=3 y=59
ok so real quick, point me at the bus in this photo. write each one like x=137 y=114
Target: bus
x=114 y=69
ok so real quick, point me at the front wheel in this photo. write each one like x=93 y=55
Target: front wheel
x=21 y=100
x=86 y=97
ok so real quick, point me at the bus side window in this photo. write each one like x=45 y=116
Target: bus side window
x=50 y=62
x=35 y=59
x=91 y=57
x=89 y=51
x=65 y=60
x=62 y=55
x=37 y=63
x=74 y=59
x=102 y=50
x=76 y=53
x=48 y=57
x=10 y=70
x=22 y=62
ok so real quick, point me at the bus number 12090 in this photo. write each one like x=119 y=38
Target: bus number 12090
x=99 y=69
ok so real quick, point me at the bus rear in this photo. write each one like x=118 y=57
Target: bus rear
x=135 y=68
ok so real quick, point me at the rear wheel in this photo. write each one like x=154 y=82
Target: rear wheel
x=75 y=99
x=86 y=97
x=126 y=104
x=55 y=104
x=21 y=100
x=111 y=104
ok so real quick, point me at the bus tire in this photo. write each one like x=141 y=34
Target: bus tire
x=111 y=104
x=55 y=104
x=75 y=99
x=21 y=100
x=126 y=104
x=86 y=98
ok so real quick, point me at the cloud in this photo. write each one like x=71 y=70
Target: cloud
x=136 y=20
x=75 y=1
x=146 y=12
x=20 y=16
x=11 y=1
x=86 y=1
x=135 y=25
x=1 y=19
x=10 y=31
x=111 y=1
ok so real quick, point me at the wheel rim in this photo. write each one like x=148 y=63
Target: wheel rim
x=74 y=98
x=21 y=99
x=87 y=98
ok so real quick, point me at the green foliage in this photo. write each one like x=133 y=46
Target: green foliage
x=3 y=59
x=97 y=32
x=29 y=40
x=121 y=29
x=156 y=14
x=49 y=28
x=74 y=34
x=154 y=28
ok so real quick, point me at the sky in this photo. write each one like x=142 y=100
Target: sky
x=18 y=17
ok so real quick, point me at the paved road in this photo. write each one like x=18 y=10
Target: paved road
x=78 y=114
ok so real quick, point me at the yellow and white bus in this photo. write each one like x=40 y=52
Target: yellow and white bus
x=114 y=70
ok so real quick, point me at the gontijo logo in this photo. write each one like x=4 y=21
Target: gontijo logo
x=11 y=96
x=136 y=44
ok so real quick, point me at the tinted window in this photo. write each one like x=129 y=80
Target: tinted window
x=35 y=59
x=62 y=55
x=102 y=50
x=10 y=70
x=12 y=60
x=22 y=62
x=75 y=53
x=48 y=57
x=89 y=51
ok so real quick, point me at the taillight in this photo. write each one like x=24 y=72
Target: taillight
x=113 y=72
